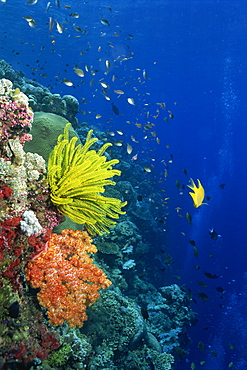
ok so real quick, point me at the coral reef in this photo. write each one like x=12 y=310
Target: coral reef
x=39 y=97
x=129 y=326
x=123 y=342
x=169 y=315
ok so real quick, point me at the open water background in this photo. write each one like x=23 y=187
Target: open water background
x=194 y=53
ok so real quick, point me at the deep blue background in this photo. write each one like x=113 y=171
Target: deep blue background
x=194 y=53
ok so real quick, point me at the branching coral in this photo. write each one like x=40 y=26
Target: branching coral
x=77 y=176
x=68 y=279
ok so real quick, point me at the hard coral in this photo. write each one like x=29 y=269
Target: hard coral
x=68 y=279
x=77 y=176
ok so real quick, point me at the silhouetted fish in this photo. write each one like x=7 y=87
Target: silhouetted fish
x=210 y=276
x=114 y=109
x=14 y=310
x=213 y=234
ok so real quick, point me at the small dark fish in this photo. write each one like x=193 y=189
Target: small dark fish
x=14 y=310
x=195 y=251
x=190 y=294
x=189 y=217
x=57 y=2
x=160 y=221
x=185 y=171
x=105 y=22
x=114 y=109
x=208 y=198
x=210 y=276
x=201 y=283
x=201 y=346
x=222 y=186
x=143 y=273
x=214 y=353
x=213 y=234
x=220 y=289
x=197 y=267
x=176 y=277
x=78 y=29
x=192 y=242
x=180 y=353
x=171 y=116
x=32 y=2
x=169 y=260
x=74 y=15
x=177 y=183
x=203 y=296
x=144 y=313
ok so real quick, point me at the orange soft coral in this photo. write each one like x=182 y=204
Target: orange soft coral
x=68 y=279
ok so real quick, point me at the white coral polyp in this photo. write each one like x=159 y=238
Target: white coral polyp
x=30 y=224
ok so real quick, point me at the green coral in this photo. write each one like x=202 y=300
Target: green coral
x=161 y=361
x=7 y=295
x=60 y=357
x=77 y=176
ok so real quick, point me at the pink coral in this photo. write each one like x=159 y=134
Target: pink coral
x=16 y=119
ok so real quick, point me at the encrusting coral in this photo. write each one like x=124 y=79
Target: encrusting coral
x=68 y=279
x=77 y=176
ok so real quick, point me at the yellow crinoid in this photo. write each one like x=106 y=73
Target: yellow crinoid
x=77 y=176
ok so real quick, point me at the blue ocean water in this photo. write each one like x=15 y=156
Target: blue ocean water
x=193 y=56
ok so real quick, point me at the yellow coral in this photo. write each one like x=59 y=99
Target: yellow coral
x=77 y=176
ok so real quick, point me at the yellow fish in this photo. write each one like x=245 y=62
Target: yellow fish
x=198 y=195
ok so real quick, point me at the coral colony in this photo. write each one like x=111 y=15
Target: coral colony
x=58 y=264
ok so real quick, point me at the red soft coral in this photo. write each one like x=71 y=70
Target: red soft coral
x=68 y=279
